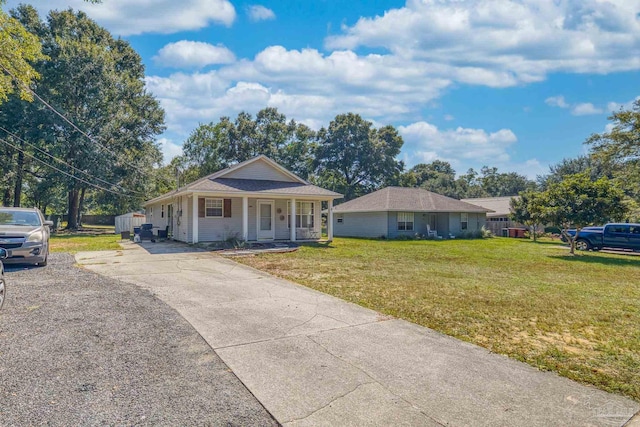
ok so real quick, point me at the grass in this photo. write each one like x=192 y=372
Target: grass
x=578 y=316
x=80 y=242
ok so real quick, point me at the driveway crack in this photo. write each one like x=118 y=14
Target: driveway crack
x=331 y=402
x=377 y=382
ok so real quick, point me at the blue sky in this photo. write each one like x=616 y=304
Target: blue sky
x=517 y=84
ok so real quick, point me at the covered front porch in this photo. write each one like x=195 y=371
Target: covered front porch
x=218 y=217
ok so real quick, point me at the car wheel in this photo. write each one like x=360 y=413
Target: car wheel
x=583 y=245
x=3 y=292
x=46 y=258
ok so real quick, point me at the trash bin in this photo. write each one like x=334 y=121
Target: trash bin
x=136 y=230
x=162 y=234
x=125 y=235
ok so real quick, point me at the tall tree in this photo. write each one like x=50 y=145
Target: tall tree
x=214 y=146
x=528 y=209
x=620 y=147
x=97 y=82
x=594 y=167
x=19 y=49
x=577 y=201
x=437 y=176
x=497 y=184
x=354 y=158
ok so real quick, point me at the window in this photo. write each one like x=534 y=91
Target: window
x=340 y=220
x=213 y=208
x=150 y=211
x=305 y=215
x=405 y=221
x=618 y=229
x=161 y=211
x=464 y=221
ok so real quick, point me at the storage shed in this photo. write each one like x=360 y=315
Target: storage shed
x=129 y=220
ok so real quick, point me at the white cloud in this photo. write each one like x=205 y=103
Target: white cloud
x=131 y=17
x=303 y=84
x=530 y=168
x=579 y=109
x=556 y=101
x=258 y=12
x=169 y=150
x=506 y=42
x=585 y=109
x=424 y=142
x=191 y=54
x=617 y=106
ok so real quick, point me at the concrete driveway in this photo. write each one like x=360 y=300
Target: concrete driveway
x=312 y=359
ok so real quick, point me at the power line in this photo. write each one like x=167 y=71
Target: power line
x=67 y=164
x=63 y=117
x=63 y=172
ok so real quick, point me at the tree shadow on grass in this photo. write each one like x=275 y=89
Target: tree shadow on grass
x=318 y=245
x=630 y=260
x=545 y=242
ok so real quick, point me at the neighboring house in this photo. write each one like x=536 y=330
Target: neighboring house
x=252 y=201
x=399 y=211
x=500 y=218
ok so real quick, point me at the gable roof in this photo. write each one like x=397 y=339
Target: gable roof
x=221 y=182
x=261 y=158
x=499 y=205
x=229 y=185
x=407 y=200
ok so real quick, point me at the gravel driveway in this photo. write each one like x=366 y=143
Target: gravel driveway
x=77 y=348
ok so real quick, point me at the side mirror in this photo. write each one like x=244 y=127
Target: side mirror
x=48 y=223
x=3 y=253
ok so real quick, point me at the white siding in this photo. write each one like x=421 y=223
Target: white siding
x=154 y=216
x=260 y=170
x=187 y=216
x=360 y=224
x=220 y=229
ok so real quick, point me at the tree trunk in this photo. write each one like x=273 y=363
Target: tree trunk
x=535 y=232
x=72 y=212
x=570 y=239
x=17 y=187
x=81 y=206
x=6 y=197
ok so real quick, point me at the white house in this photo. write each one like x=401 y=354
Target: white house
x=253 y=201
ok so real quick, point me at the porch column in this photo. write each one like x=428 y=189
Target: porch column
x=194 y=220
x=330 y=222
x=292 y=212
x=245 y=218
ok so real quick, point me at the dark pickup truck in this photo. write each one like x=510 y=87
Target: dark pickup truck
x=614 y=236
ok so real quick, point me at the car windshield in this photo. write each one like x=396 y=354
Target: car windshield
x=26 y=218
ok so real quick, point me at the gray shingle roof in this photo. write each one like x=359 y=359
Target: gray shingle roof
x=261 y=186
x=216 y=183
x=499 y=205
x=406 y=199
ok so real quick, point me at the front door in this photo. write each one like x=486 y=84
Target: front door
x=266 y=220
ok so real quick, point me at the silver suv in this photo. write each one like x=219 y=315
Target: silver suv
x=3 y=285
x=24 y=233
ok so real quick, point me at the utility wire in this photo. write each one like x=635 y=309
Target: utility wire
x=63 y=117
x=61 y=171
x=67 y=164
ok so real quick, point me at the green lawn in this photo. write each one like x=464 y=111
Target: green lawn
x=78 y=242
x=578 y=316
